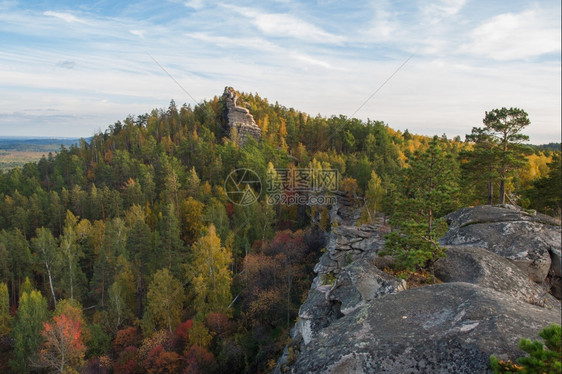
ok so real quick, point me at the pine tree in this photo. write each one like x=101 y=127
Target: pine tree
x=5 y=317
x=498 y=149
x=169 y=238
x=139 y=247
x=429 y=191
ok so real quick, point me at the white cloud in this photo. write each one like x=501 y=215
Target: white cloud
x=286 y=25
x=139 y=33
x=512 y=36
x=313 y=61
x=286 y=57
x=443 y=8
x=195 y=4
x=64 y=16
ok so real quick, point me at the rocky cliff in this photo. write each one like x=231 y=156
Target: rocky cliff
x=240 y=123
x=359 y=319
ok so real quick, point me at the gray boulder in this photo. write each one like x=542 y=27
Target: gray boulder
x=443 y=328
x=527 y=239
x=346 y=279
x=360 y=283
x=487 y=269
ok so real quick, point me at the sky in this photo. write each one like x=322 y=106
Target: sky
x=71 y=68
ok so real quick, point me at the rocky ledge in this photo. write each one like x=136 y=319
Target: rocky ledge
x=359 y=319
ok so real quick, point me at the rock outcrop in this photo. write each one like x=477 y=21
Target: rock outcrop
x=442 y=328
x=529 y=240
x=359 y=319
x=240 y=123
x=487 y=269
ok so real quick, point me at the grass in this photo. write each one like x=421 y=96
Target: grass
x=10 y=159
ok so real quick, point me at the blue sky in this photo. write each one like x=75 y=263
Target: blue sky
x=71 y=68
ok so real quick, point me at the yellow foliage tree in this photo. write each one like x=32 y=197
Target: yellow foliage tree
x=210 y=274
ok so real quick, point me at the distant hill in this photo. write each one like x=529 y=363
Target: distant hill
x=29 y=144
x=17 y=151
x=549 y=146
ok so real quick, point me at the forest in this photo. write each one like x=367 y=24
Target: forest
x=124 y=253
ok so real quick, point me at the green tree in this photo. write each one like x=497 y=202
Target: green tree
x=164 y=303
x=71 y=253
x=5 y=317
x=45 y=246
x=502 y=131
x=373 y=196
x=545 y=192
x=210 y=274
x=169 y=237
x=478 y=163
x=191 y=219
x=429 y=191
x=18 y=259
x=32 y=312
x=139 y=245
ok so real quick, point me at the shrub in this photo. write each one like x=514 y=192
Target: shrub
x=540 y=360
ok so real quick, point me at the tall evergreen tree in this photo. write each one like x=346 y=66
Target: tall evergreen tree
x=429 y=191
x=498 y=149
x=139 y=246
x=5 y=317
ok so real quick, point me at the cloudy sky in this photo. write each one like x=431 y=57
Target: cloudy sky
x=71 y=68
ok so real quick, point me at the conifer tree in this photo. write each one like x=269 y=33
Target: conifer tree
x=429 y=191
x=498 y=150
x=5 y=317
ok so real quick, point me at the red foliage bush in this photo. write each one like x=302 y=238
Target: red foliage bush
x=220 y=324
x=126 y=363
x=199 y=361
x=161 y=362
x=182 y=333
x=125 y=338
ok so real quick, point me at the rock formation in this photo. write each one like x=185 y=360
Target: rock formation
x=358 y=319
x=529 y=240
x=240 y=123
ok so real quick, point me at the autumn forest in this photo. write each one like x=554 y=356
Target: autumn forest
x=124 y=253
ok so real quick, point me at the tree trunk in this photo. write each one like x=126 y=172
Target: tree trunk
x=51 y=283
x=490 y=192
x=70 y=275
x=430 y=223
x=139 y=295
x=502 y=191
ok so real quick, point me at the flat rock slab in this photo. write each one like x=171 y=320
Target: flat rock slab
x=443 y=328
